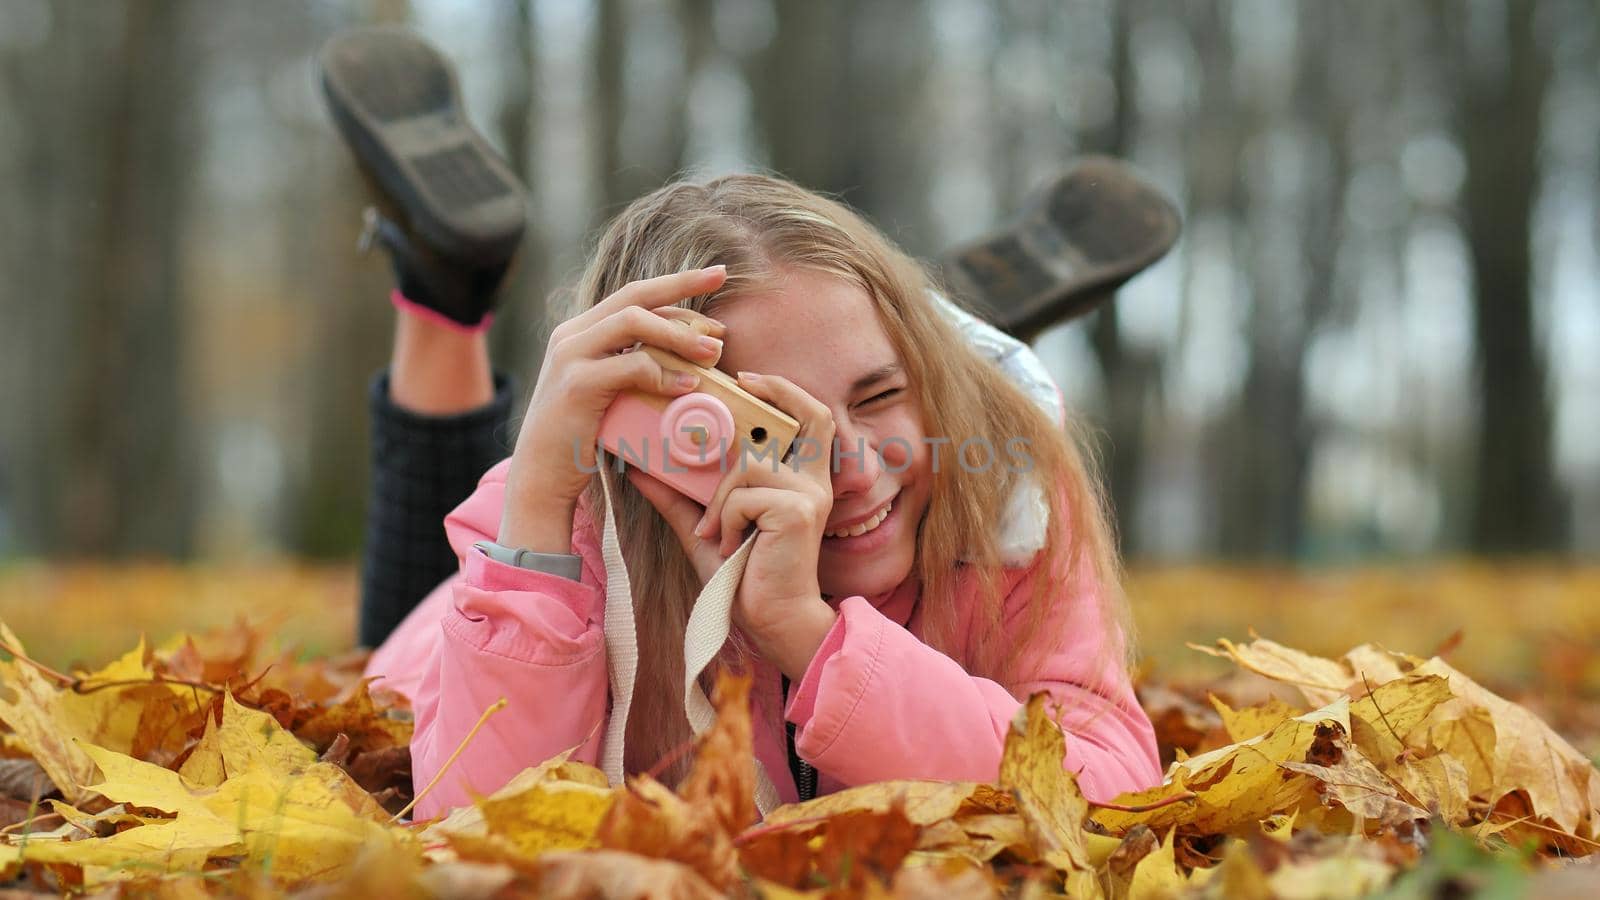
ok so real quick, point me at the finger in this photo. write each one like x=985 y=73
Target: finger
x=633 y=325
x=747 y=506
x=680 y=511
x=815 y=438
x=699 y=321
x=734 y=478
x=663 y=290
x=614 y=374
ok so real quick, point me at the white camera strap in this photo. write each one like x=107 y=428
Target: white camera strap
x=709 y=623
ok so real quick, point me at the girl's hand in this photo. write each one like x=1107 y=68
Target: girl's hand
x=779 y=605
x=584 y=369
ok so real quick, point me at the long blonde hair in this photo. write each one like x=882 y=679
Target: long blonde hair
x=758 y=225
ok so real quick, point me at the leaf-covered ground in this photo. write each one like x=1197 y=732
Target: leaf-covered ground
x=219 y=765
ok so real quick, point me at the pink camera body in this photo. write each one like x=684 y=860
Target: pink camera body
x=691 y=442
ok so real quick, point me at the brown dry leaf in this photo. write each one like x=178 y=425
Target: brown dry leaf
x=359 y=719
x=1182 y=723
x=722 y=780
x=1320 y=680
x=24 y=780
x=945 y=879
x=650 y=820
x=1359 y=787
x=613 y=875
x=1047 y=795
x=718 y=798
x=989 y=835
x=857 y=845
x=1436 y=783
x=1561 y=783
x=1352 y=873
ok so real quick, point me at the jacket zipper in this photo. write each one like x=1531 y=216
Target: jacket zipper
x=805 y=775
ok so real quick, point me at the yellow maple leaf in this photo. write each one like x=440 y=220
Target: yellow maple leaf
x=922 y=802
x=1156 y=876
x=245 y=737
x=1503 y=748
x=520 y=826
x=1235 y=786
x=49 y=718
x=1243 y=724
x=286 y=814
x=1436 y=783
x=1047 y=794
x=469 y=820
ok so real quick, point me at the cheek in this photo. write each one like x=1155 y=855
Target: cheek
x=901 y=446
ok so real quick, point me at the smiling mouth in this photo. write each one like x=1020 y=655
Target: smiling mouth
x=861 y=528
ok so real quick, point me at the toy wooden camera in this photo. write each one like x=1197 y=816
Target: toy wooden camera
x=690 y=442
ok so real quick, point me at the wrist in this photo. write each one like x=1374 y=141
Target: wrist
x=792 y=642
x=536 y=518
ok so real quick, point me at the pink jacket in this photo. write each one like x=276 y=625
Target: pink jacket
x=875 y=704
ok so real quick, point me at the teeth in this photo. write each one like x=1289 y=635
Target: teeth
x=863 y=527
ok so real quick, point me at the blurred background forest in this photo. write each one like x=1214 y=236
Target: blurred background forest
x=1378 y=337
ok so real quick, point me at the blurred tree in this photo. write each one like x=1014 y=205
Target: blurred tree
x=517 y=345
x=320 y=218
x=1502 y=71
x=107 y=449
x=1131 y=373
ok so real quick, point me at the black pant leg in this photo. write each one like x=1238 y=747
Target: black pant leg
x=422 y=468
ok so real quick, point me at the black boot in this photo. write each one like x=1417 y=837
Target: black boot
x=450 y=211
x=1078 y=239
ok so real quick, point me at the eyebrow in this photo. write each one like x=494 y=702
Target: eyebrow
x=876 y=375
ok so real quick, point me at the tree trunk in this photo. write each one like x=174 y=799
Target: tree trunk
x=107 y=448
x=1519 y=507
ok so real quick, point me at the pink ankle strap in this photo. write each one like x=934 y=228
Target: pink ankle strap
x=407 y=306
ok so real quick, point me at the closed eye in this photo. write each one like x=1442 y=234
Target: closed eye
x=883 y=396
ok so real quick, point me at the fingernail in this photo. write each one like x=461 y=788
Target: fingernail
x=685 y=380
x=719 y=268
x=749 y=376
x=710 y=344
x=700 y=527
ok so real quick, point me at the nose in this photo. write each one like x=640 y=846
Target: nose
x=856 y=466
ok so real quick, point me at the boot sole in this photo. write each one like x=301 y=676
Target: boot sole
x=1078 y=240
x=397 y=102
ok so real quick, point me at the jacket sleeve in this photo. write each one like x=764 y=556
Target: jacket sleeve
x=535 y=639
x=878 y=704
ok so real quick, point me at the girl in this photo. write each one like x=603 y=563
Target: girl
x=877 y=613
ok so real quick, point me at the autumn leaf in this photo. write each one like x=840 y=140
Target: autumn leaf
x=241 y=739
x=359 y=719
x=50 y=718
x=1047 y=794
x=651 y=820
x=1502 y=746
x=1244 y=724
x=550 y=815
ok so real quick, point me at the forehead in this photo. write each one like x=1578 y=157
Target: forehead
x=817 y=330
